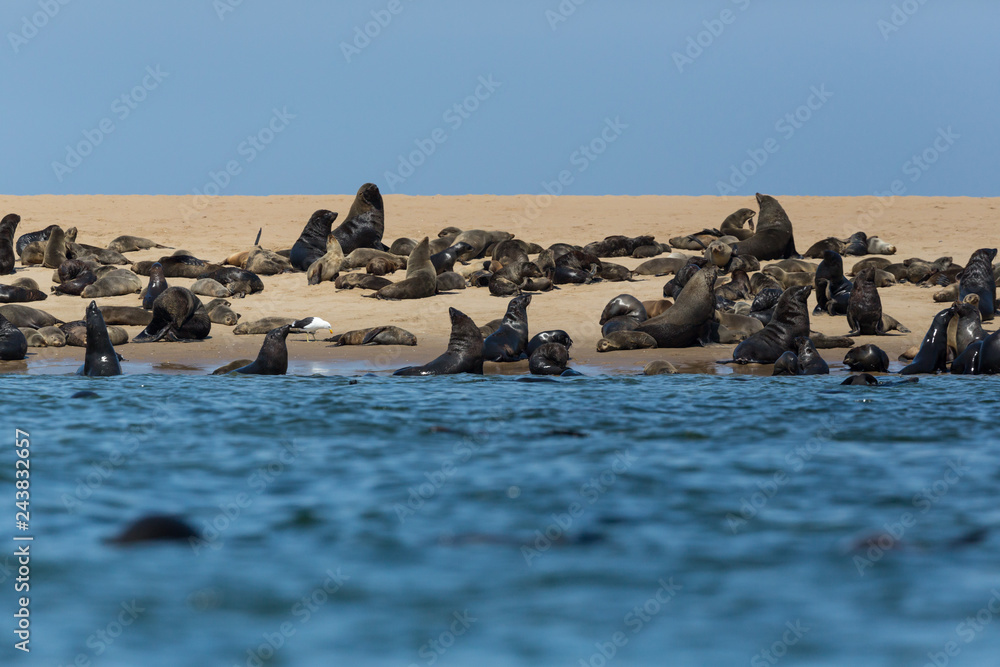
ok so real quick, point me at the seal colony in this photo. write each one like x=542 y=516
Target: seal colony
x=722 y=287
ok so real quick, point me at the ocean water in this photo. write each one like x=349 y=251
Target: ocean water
x=671 y=520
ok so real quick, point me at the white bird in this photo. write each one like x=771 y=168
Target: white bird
x=311 y=325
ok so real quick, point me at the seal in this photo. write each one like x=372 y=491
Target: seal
x=101 y=359
x=445 y=260
x=733 y=224
x=737 y=288
x=864 y=308
x=687 y=321
x=868 y=358
x=362 y=257
x=449 y=281
x=311 y=244
x=127 y=315
x=659 y=367
x=26 y=316
x=219 y=312
x=153 y=528
x=553 y=336
x=626 y=340
x=789 y=321
x=177 y=315
x=661 y=266
x=787 y=364
x=33 y=338
x=464 y=354
x=53 y=336
x=421 y=277
x=381 y=266
x=510 y=341
x=177 y=266
x=969 y=362
x=365 y=222
x=388 y=335
x=13 y=344
x=831 y=285
x=977 y=278
x=719 y=253
x=623 y=313
x=809 y=360
x=273 y=356
x=264 y=262
x=116 y=282
x=14 y=294
x=133 y=243
x=94 y=253
x=548 y=359
x=232 y=366
x=656 y=307
x=8 y=226
x=877 y=246
x=933 y=354
x=857 y=244
x=55 y=249
x=774 y=238
x=403 y=246
x=328 y=266
x=480 y=240
x=617 y=246
x=157 y=284
x=361 y=281
x=25 y=239
x=240 y=282
x=262 y=326
x=209 y=287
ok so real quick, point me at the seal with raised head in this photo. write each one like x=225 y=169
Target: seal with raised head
x=311 y=244
x=687 y=322
x=8 y=226
x=733 y=224
x=864 y=308
x=789 y=321
x=464 y=354
x=328 y=266
x=55 y=249
x=868 y=358
x=365 y=222
x=831 y=285
x=13 y=344
x=774 y=238
x=977 y=278
x=933 y=354
x=421 y=277
x=101 y=359
x=273 y=356
x=157 y=284
x=787 y=364
x=177 y=315
x=445 y=260
x=809 y=360
x=510 y=341
x=219 y=312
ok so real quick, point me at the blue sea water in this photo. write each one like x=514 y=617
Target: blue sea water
x=670 y=520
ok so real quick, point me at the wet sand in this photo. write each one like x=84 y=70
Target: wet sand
x=214 y=228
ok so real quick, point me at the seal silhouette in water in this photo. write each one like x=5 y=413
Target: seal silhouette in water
x=464 y=354
x=155 y=527
x=273 y=356
x=101 y=359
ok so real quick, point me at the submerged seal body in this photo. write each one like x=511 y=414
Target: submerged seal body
x=868 y=358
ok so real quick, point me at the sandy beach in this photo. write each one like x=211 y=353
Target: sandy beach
x=213 y=228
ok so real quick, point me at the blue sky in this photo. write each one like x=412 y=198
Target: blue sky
x=623 y=98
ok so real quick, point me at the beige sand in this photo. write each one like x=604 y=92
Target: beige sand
x=213 y=228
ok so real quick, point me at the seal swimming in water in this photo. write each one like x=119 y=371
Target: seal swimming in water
x=548 y=359
x=421 y=277
x=510 y=341
x=365 y=222
x=864 y=308
x=157 y=284
x=809 y=360
x=933 y=354
x=311 y=244
x=13 y=344
x=273 y=356
x=464 y=354
x=774 y=238
x=687 y=321
x=977 y=278
x=155 y=527
x=101 y=359
x=8 y=226
x=789 y=321
x=869 y=358
x=787 y=364
x=177 y=315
